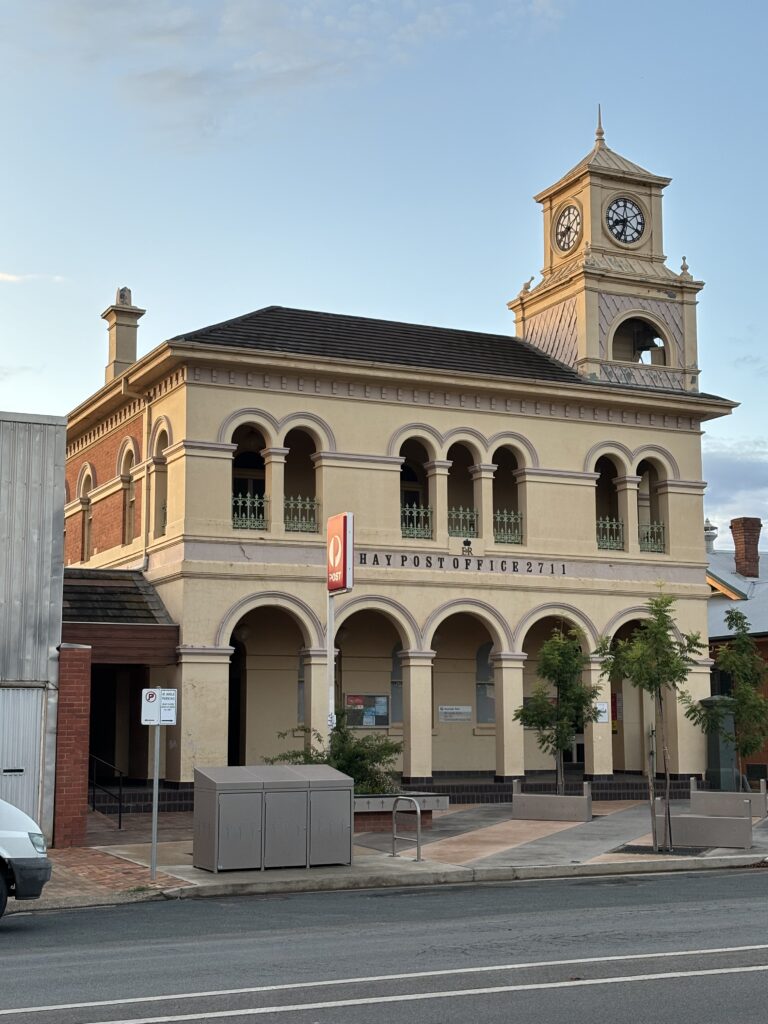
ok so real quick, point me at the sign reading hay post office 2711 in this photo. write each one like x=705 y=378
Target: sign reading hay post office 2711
x=465 y=563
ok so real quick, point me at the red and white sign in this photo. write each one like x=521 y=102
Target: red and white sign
x=340 y=552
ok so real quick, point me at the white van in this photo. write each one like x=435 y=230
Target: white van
x=24 y=866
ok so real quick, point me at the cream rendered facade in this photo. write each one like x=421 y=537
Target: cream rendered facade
x=614 y=440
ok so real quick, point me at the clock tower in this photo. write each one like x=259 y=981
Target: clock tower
x=607 y=303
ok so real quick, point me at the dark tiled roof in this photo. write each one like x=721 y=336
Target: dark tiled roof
x=359 y=339
x=112 y=595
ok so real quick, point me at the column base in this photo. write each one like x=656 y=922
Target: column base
x=416 y=780
x=598 y=778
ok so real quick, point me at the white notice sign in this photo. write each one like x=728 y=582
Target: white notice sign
x=150 y=707
x=168 y=707
x=454 y=712
x=602 y=711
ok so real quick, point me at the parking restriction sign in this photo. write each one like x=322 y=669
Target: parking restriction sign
x=150 y=707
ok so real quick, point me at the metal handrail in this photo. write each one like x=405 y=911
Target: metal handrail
x=94 y=785
x=406 y=839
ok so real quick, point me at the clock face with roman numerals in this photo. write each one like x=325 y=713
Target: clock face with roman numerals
x=625 y=220
x=568 y=228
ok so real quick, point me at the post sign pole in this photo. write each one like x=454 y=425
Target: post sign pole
x=340 y=560
x=155 y=802
x=158 y=708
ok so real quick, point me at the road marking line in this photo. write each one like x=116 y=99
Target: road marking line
x=421 y=996
x=326 y=983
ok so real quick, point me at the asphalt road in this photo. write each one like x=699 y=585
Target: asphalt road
x=683 y=948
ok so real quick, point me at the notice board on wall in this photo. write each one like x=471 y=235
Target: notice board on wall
x=366 y=710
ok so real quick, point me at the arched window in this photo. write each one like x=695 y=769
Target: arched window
x=161 y=485
x=462 y=514
x=610 y=528
x=485 y=698
x=649 y=517
x=507 y=514
x=249 y=502
x=638 y=341
x=415 y=510
x=301 y=508
x=87 y=515
x=129 y=499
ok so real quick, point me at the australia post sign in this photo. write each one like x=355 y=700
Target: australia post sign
x=340 y=554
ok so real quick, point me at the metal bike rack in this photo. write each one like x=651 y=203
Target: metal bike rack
x=406 y=839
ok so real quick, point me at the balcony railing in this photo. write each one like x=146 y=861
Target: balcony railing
x=507 y=527
x=652 y=537
x=301 y=515
x=249 y=512
x=462 y=522
x=610 y=534
x=416 y=521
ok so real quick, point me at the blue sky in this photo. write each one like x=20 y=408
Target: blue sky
x=374 y=158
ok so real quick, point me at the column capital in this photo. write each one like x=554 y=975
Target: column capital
x=438 y=467
x=413 y=657
x=627 y=483
x=483 y=471
x=314 y=655
x=204 y=655
x=509 y=658
x=274 y=454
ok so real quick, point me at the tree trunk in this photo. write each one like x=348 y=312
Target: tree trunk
x=667 y=781
x=559 y=774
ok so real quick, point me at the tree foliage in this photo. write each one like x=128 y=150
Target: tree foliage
x=657 y=662
x=369 y=759
x=556 y=716
x=740 y=658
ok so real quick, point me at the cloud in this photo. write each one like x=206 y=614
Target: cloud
x=193 y=62
x=755 y=365
x=6 y=278
x=737 y=477
x=8 y=372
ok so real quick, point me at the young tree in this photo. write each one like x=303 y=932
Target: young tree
x=369 y=760
x=740 y=658
x=656 y=662
x=555 y=717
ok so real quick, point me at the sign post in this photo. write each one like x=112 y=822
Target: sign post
x=158 y=708
x=340 y=540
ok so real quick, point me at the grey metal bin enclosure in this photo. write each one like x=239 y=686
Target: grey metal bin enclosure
x=229 y=811
x=270 y=816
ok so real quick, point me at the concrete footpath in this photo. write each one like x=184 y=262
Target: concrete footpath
x=467 y=844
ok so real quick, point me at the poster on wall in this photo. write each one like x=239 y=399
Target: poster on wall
x=366 y=710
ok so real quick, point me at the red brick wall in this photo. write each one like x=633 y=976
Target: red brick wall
x=381 y=821
x=72 y=741
x=107 y=523
x=73 y=542
x=103 y=454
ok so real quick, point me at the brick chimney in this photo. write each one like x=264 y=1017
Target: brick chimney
x=123 y=323
x=746 y=536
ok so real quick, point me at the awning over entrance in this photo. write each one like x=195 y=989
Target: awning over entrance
x=119 y=615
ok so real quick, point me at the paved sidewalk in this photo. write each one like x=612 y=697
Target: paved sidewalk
x=467 y=844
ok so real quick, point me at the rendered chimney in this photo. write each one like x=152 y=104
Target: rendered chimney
x=123 y=322
x=710 y=534
x=746 y=537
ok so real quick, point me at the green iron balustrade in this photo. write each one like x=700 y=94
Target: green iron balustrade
x=462 y=522
x=652 y=537
x=301 y=515
x=610 y=534
x=507 y=527
x=249 y=512
x=416 y=521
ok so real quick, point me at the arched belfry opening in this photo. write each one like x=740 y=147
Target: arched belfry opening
x=637 y=340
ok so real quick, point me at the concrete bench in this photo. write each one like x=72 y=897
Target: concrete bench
x=550 y=806
x=728 y=805
x=733 y=832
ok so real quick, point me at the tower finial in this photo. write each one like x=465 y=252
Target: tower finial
x=599 y=133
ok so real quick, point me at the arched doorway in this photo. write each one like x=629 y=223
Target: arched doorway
x=631 y=709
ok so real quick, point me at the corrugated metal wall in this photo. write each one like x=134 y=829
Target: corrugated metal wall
x=21 y=732
x=31 y=545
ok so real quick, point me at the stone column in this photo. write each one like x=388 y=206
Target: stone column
x=437 y=475
x=598 y=741
x=482 y=477
x=316 y=691
x=274 y=487
x=687 y=744
x=201 y=734
x=627 y=488
x=510 y=735
x=417 y=715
